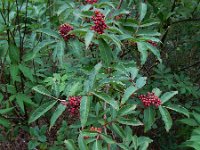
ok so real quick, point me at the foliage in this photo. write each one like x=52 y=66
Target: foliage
x=74 y=72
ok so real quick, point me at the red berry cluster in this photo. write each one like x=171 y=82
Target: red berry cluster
x=152 y=43
x=99 y=22
x=91 y=1
x=64 y=29
x=150 y=99
x=73 y=105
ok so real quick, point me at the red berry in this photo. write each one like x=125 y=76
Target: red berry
x=150 y=99
x=64 y=29
x=99 y=22
x=91 y=1
x=152 y=43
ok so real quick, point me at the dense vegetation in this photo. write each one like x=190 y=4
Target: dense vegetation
x=99 y=74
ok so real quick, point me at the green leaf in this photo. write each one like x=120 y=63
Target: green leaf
x=14 y=71
x=26 y=72
x=142 y=11
x=167 y=96
x=143 y=52
x=166 y=118
x=128 y=92
x=89 y=84
x=140 y=82
x=127 y=109
x=5 y=122
x=70 y=144
x=113 y=38
x=149 y=118
x=14 y=54
x=59 y=51
x=189 y=121
x=42 y=90
x=117 y=129
x=41 y=110
x=178 y=108
x=6 y=110
x=107 y=99
x=196 y=116
x=105 y=52
x=88 y=38
x=131 y=122
x=84 y=109
x=157 y=91
x=81 y=143
x=97 y=145
x=107 y=139
x=60 y=109
x=49 y=32
x=154 y=50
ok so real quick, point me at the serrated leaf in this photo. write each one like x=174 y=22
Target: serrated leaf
x=166 y=118
x=131 y=122
x=88 y=38
x=58 y=112
x=26 y=72
x=90 y=82
x=41 y=110
x=178 y=108
x=143 y=52
x=196 y=116
x=105 y=52
x=107 y=99
x=154 y=50
x=128 y=92
x=84 y=109
x=127 y=109
x=49 y=32
x=42 y=90
x=149 y=118
x=14 y=71
x=167 y=96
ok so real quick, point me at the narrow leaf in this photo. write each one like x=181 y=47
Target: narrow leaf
x=166 y=118
x=128 y=92
x=167 y=96
x=41 y=110
x=107 y=99
x=88 y=38
x=60 y=109
x=84 y=109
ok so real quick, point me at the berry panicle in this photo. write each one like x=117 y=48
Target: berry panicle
x=91 y=1
x=150 y=99
x=64 y=29
x=99 y=21
x=152 y=43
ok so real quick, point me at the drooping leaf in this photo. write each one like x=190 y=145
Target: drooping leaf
x=105 y=52
x=26 y=72
x=88 y=38
x=167 y=96
x=149 y=118
x=60 y=109
x=128 y=92
x=84 y=109
x=41 y=110
x=49 y=32
x=42 y=90
x=178 y=108
x=166 y=118
x=107 y=99
x=5 y=122
x=117 y=129
x=143 y=51
x=127 y=109
x=97 y=145
x=107 y=139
